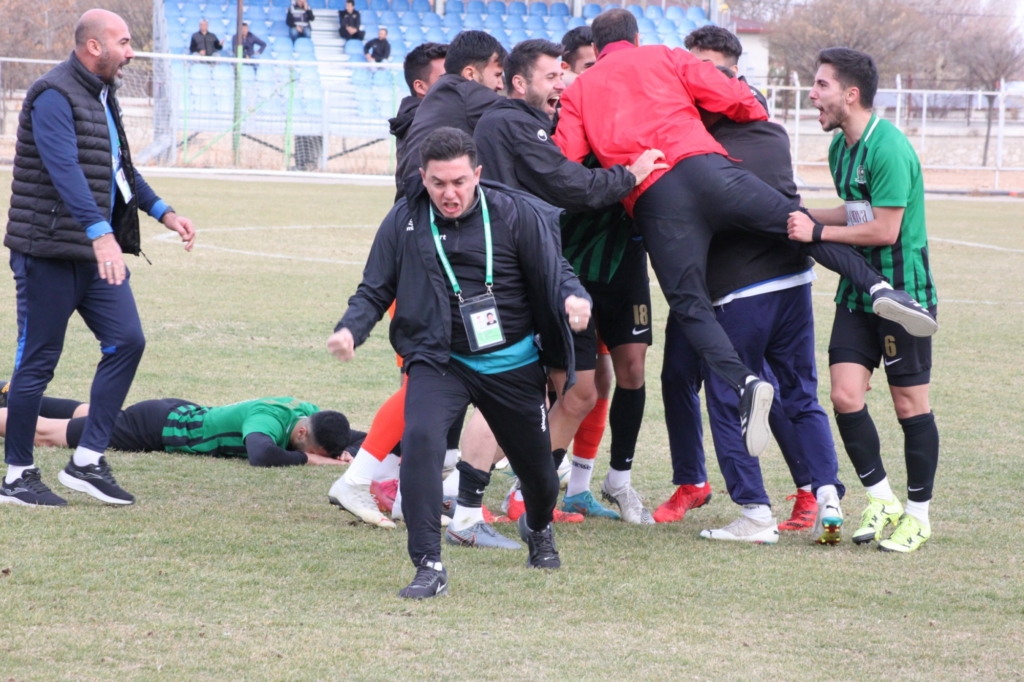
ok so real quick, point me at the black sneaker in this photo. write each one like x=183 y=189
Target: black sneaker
x=3 y=391
x=755 y=404
x=541 y=543
x=901 y=308
x=30 y=490
x=95 y=480
x=431 y=581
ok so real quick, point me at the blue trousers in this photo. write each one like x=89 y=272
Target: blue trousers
x=774 y=331
x=48 y=291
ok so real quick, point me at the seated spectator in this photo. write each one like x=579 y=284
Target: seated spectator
x=298 y=18
x=249 y=43
x=351 y=22
x=204 y=43
x=378 y=49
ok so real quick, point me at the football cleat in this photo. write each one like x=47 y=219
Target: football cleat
x=909 y=535
x=685 y=498
x=745 y=529
x=805 y=512
x=875 y=517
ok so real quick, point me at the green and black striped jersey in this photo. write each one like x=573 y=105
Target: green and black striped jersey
x=221 y=431
x=594 y=242
x=882 y=170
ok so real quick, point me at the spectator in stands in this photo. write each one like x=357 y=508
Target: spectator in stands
x=378 y=49
x=578 y=53
x=351 y=22
x=249 y=43
x=423 y=66
x=204 y=43
x=298 y=18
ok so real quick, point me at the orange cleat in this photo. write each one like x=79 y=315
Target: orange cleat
x=517 y=508
x=805 y=511
x=685 y=498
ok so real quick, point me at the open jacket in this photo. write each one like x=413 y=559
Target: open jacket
x=403 y=267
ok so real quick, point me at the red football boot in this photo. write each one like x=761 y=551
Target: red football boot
x=805 y=511
x=385 y=492
x=685 y=498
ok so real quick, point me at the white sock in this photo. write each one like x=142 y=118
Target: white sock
x=919 y=510
x=451 y=458
x=450 y=486
x=881 y=490
x=362 y=468
x=805 y=488
x=14 y=472
x=579 y=478
x=388 y=469
x=518 y=496
x=396 y=509
x=880 y=285
x=700 y=485
x=761 y=513
x=617 y=480
x=825 y=490
x=466 y=517
x=85 y=456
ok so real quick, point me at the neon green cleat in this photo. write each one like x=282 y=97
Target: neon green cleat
x=908 y=536
x=877 y=515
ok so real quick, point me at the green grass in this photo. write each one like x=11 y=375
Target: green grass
x=222 y=571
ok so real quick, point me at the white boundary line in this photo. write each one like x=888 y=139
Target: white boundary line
x=976 y=245
x=172 y=238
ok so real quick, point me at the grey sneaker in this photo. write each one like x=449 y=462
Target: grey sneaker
x=479 y=534
x=631 y=508
x=828 y=527
x=745 y=529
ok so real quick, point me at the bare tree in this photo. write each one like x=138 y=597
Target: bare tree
x=765 y=11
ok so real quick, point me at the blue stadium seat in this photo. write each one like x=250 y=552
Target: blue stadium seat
x=675 y=13
x=400 y=5
x=413 y=36
x=494 y=21
x=696 y=13
x=421 y=6
x=556 y=23
x=654 y=12
x=592 y=10
x=474 y=22
x=650 y=39
x=576 y=22
x=514 y=21
x=560 y=9
x=686 y=26
x=637 y=10
x=555 y=36
x=612 y=5
x=389 y=17
x=303 y=45
x=517 y=7
x=361 y=78
x=353 y=47
x=701 y=23
x=667 y=27
x=517 y=36
x=368 y=110
x=476 y=7
x=454 y=7
x=538 y=9
x=382 y=79
x=399 y=51
x=645 y=25
x=435 y=34
x=672 y=40
x=535 y=22
x=409 y=19
x=430 y=20
x=453 y=21
x=497 y=7
x=379 y=5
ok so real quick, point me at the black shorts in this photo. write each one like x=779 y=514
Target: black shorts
x=138 y=428
x=867 y=340
x=622 y=307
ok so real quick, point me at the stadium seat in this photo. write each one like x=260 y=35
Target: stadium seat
x=452 y=21
x=654 y=12
x=382 y=79
x=379 y=5
x=538 y=9
x=667 y=27
x=650 y=39
x=517 y=7
x=497 y=7
x=555 y=36
x=430 y=20
x=560 y=9
x=413 y=36
x=421 y=6
x=576 y=22
x=637 y=10
x=368 y=110
x=454 y=7
x=389 y=17
x=361 y=78
x=473 y=22
x=409 y=19
x=435 y=34
x=696 y=13
x=515 y=21
x=675 y=13
x=494 y=21
x=303 y=45
x=353 y=47
x=611 y=5
x=685 y=27
x=645 y=25
x=672 y=40
x=592 y=10
x=556 y=23
x=400 y=6
x=476 y=7
x=535 y=22
x=701 y=23
x=518 y=36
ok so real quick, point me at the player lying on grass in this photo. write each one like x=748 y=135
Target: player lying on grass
x=267 y=431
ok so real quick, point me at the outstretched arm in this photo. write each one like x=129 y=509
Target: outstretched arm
x=263 y=452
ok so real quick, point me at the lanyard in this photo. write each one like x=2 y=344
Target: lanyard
x=487 y=242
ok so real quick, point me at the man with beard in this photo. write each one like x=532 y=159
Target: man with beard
x=74 y=213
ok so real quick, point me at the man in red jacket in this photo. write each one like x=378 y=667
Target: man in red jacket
x=638 y=98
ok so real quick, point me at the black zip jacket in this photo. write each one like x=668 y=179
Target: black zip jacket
x=400 y=125
x=514 y=146
x=403 y=267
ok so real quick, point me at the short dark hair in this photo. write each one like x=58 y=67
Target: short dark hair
x=330 y=430
x=417 y=62
x=447 y=144
x=727 y=71
x=614 y=25
x=573 y=40
x=350 y=2
x=523 y=57
x=853 y=68
x=715 y=39
x=472 y=48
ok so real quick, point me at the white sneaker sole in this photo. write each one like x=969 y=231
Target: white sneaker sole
x=916 y=323
x=758 y=432
x=765 y=537
x=83 y=487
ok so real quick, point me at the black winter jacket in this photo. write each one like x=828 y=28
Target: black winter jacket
x=400 y=125
x=403 y=267
x=514 y=146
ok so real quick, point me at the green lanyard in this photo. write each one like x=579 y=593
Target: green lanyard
x=489 y=280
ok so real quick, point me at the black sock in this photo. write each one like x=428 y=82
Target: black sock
x=471 y=481
x=455 y=432
x=558 y=456
x=552 y=398
x=625 y=416
x=921 y=448
x=76 y=427
x=58 y=408
x=860 y=437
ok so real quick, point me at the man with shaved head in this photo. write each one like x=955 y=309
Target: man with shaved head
x=74 y=212
x=204 y=43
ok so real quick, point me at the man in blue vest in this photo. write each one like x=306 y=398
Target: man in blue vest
x=74 y=213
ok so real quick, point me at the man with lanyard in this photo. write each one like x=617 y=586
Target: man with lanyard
x=489 y=250
x=74 y=212
x=878 y=175
x=761 y=290
x=514 y=139
x=637 y=98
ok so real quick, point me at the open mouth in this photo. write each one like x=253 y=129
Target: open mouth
x=553 y=101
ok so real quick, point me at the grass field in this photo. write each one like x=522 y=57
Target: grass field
x=222 y=571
